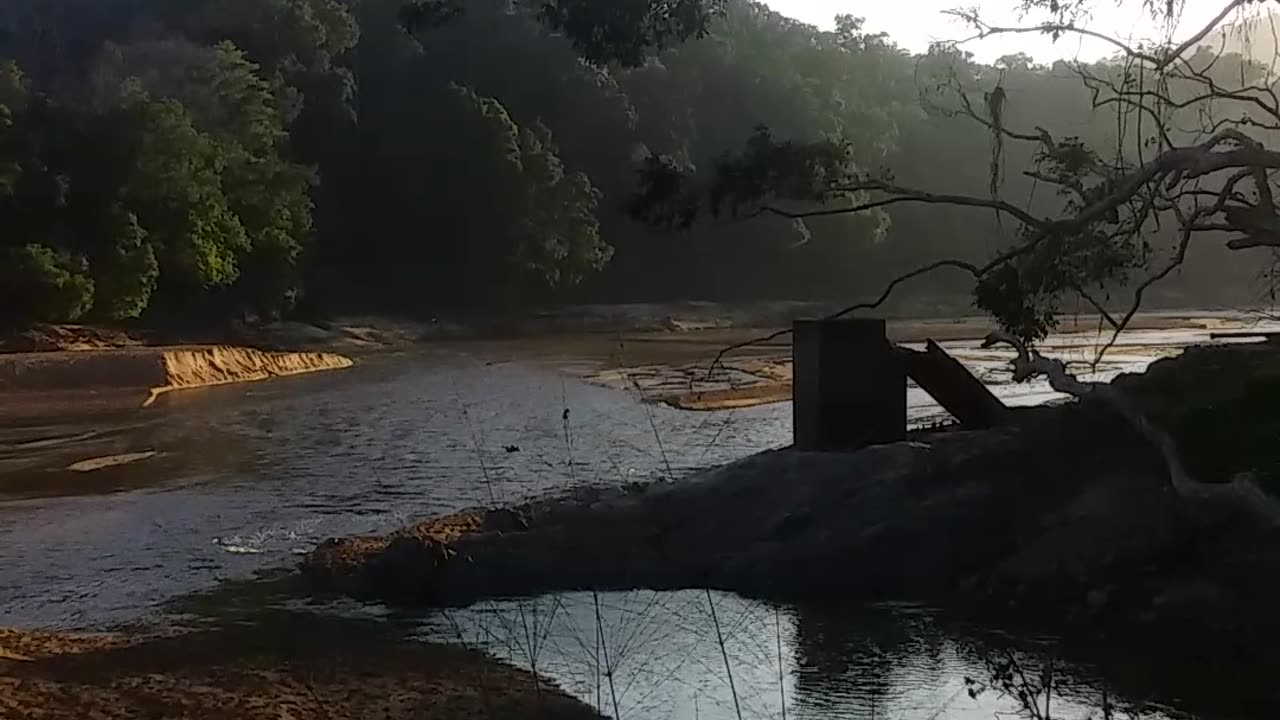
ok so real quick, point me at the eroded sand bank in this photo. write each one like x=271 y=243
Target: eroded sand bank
x=145 y=372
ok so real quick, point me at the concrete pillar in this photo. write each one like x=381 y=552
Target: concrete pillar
x=849 y=387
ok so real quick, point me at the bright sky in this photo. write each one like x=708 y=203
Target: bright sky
x=913 y=24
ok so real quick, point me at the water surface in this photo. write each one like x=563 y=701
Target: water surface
x=244 y=478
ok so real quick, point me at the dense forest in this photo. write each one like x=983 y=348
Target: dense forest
x=202 y=160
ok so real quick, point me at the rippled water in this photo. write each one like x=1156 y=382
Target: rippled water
x=248 y=476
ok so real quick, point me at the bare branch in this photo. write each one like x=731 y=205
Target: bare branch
x=1179 y=256
x=1102 y=311
x=1068 y=183
x=882 y=299
x=904 y=195
x=1157 y=62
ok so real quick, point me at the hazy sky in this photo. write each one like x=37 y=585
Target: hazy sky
x=913 y=24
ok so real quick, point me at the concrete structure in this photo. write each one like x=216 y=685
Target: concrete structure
x=849 y=386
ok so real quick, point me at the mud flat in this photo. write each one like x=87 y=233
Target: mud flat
x=282 y=665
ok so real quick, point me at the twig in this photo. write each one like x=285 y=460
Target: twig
x=724 y=653
x=608 y=668
x=884 y=296
x=782 y=686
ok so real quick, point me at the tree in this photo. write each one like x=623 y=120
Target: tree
x=1203 y=179
x=215 y=158
x=621 y=31
x=163 y=179
x=1191 y=153
x=37 y=283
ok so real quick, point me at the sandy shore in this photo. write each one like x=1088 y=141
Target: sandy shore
x=283 y=665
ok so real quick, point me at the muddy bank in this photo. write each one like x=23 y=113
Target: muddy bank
x=1066 y=514
x=280 y=665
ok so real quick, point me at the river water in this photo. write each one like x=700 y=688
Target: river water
x=247 y=477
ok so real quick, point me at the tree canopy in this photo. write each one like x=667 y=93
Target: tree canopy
x=203 y=161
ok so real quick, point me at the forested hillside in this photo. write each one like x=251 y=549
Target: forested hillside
x=190 y=162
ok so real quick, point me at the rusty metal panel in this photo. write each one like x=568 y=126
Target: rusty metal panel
x=954 y=387
x=849 y=387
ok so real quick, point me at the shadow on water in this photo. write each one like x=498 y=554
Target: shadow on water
x=660 y=655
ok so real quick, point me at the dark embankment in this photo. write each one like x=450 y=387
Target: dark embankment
x=283 y=665
x=1066 y=514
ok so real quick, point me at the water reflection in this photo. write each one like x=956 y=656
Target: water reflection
x=659 y=655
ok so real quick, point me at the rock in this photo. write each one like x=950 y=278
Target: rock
x=406 y=571
x=505 y=520
x=336 y=563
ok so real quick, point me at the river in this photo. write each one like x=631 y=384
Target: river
x=244 y=478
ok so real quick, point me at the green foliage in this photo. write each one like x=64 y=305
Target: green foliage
x=666 y=196
x=124 y=276
x=167 y=176
x=38 y=283
x=13 y=98
x=625 y=31
x=1024 y=295
x=620 y=31
x=176 y=190
x=769 y=170
x=195 y=161
x=538 y=229
x=558 y=239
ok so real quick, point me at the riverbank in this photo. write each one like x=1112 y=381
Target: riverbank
x=663 y=351
x=280 y=665
x=1014 y=520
